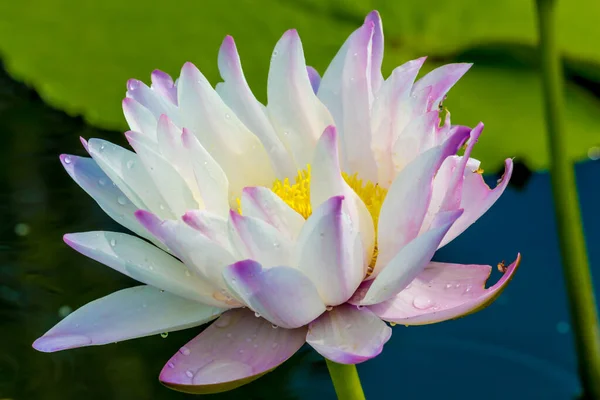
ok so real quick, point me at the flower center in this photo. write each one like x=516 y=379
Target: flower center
x=297 y=196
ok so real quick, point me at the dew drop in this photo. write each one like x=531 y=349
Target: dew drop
x=392 y=324
x=122 y=200
x=187 y=273
x=185 y=351
x=189 y=373
x=274 y=326
x=329 y=308
x=468 y=289
x=161 y=206
x=422 y=302
x=448 y=286
x=130 y=164
x=170 y=365
x=102 y=181
x=164 y=335
x=67 y=160
x=113 y=242
x=227 y=116
x=257 y=315
x=102 y=147
x=360 y=307
x=223 y=321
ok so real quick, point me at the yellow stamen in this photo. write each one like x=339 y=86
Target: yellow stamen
x=297 y=196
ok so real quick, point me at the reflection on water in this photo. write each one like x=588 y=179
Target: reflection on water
x=507 y=350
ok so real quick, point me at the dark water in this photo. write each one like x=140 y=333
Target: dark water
x=519 y=348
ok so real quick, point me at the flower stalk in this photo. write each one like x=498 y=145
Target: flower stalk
x=345 y=381
x=582 y=304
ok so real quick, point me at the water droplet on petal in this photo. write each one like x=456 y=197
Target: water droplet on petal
x=468 y=289
x=67 y=160
x=122 y=200
x=274 y=326
x=102 y=181
x=164 y=335
x=170 y=365
x=130 y=164
x=113 y=242
x=448 y=286
x=223 y=321
x=189 y=373
x=257 y=315
x=422 y=302
x=329 y=308
x=392 y=324
x=185 y=351
x=188 y=273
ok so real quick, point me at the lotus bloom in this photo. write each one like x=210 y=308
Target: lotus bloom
x=312 y=219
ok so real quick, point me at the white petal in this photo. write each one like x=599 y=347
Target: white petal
x=139 y=118
x=127 y=314
x=330 y=253
x=297 y=114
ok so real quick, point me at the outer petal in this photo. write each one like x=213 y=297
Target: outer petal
x=295 y=111
x=152 y=100
x=329 y=252
x=127 y=314
x=236 y=349
x=97 y=184
x=442 y=292
x=213 y=226
x=410 y=260
x=169 y=182
x=314 y=78
x=128 y=173
x=407 y=201
x=476 y=199
x=259 y=240
x=441 y=80
x=237 y=150
x=236 y=93
x=142 y=261
x=348 y=335
x=260 y=202
x=282 y=295
x=327 y=181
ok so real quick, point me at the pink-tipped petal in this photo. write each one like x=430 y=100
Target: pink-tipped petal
x=236 y=349
x=203 y=256
x=129 y=174
x=327 y=181
x=89 y=176
x=405 y=206
x=152 y=100
x=297 y=114
x=441 y=81
x=213 y=226
x=348 y=335
x=283 y=295
x=262 y=203
x=443 y=292
x=376 y=49
x=236 y=93
x=410 y=260
x=139 y=118
x=170 y=183
x=329 y=252
x=477 y=198
x=163 y=84
x=389 y=116
x=127 y=314
x=259 y=240
x=314 y=78
x=143 y=262
x=84 y=143
x=219 y=130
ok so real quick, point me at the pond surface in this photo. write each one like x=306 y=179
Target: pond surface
x=519 y=348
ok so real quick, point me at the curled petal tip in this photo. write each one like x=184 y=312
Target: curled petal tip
x=84 y=143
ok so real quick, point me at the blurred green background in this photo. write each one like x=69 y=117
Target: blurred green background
x=66 y=63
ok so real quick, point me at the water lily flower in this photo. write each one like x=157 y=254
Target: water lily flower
x=312 y=219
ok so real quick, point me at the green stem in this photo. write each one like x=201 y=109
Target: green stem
x=582 y=304
x=345 y=381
